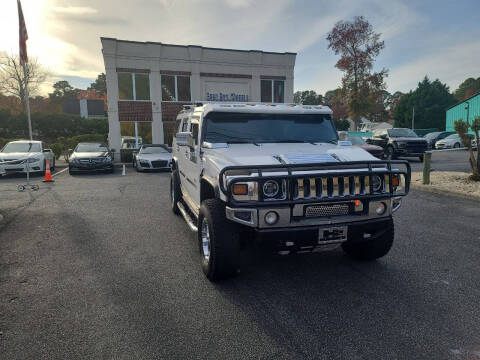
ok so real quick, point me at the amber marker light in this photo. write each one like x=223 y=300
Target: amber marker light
x=240 y=189
x=395 y=180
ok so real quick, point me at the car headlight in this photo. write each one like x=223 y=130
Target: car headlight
x=270 y=188
x=377 y=183
x=32 y=160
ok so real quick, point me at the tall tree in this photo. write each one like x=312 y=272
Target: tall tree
x=100 y=84
x=358 y=46
x=13 y=80
x=467 y=89
x=336 y=101
x=430 y=100
x=62 y=91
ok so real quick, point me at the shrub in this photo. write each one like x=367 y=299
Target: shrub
x=341 y=124
x=57 y=149
x=126 y=155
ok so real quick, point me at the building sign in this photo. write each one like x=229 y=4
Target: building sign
x=231 y=91
x=226 y=97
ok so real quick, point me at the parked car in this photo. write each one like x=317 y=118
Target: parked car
x=279 y=175
x=450 y=142
x=90 y=156
x=152 y=157
x=433 y=137
x=16 y=155
x=375 y=150
x=399 y=142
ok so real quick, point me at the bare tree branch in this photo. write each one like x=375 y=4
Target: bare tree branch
x=12 y=79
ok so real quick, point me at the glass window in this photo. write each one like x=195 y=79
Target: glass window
x=91 y=147
x=142 y=87
x=183 y=86
x=266 y=91
x=401 y=133
x=21 y=147
x=278 y=91
x=127 y=131
x=194 y=129
x=125 y=86
x=168 y=88
x=224 y=127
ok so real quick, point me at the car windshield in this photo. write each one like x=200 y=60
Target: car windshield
x=21 y=147
x=356 y=140
x=153 y=150
x=91 y=148
x=452 y=137
x=224 y=127
x=432 y=135
x=401 y=133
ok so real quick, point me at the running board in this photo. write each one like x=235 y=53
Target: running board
x=187 y=217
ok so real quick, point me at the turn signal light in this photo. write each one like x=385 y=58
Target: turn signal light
x=240 y=189
x=395 y=180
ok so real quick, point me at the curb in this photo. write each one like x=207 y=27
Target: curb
x=433 y=190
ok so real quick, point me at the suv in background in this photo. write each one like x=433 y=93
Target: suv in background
x=433 y=137
x=278 y=174
x=399 y=142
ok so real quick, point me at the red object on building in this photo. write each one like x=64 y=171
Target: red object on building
x=92 y=94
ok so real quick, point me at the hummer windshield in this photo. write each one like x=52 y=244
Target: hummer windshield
x=224 y=127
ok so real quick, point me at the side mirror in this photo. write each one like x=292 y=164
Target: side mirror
x=47 y=150
x=70 y=151
x=112 y=150
x=184 y=139
x=342 y=135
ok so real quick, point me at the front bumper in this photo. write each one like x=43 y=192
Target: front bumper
x=21 y=167
x=143 y=164
x=90 y=168
x=294 y=217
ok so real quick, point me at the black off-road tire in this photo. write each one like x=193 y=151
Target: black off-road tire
x=175 y=192
x=372 y=249
x=223 y=261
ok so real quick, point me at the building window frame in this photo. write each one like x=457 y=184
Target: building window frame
x=175 y=76
x=272 y=87
x=134 y=89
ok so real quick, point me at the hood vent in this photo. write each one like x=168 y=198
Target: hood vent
x=308 y=158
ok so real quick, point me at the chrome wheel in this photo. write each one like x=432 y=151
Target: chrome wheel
x=205 y=239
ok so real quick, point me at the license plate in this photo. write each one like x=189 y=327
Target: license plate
x=332 y=235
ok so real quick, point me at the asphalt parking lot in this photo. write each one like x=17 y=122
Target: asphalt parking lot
x=96 y=266
x=455 y=160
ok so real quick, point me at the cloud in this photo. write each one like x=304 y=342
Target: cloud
x=451 y=64
x=74 y=10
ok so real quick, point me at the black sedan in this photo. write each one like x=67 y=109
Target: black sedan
x=90 y=157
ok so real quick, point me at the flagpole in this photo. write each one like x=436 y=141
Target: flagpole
x=27 y=101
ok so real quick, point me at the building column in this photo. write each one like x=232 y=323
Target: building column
x=156 y=97
x=114 y=133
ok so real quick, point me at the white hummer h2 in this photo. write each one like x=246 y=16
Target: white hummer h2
x=279 y=173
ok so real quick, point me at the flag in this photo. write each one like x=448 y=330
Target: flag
x=23 y=36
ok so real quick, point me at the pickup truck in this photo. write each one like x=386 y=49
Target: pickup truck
x=278 y=174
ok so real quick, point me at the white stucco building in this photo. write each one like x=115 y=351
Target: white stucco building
x=148 y=82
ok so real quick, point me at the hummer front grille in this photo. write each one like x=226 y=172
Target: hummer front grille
x=327 y=210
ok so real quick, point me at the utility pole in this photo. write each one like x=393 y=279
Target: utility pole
x=467 y=107
x=27 y=101
x=413 y=118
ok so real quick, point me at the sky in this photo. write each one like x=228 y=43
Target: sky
x=439 y=38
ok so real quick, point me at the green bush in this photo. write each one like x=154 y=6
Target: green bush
x=126 y=155
x=57 y=149
x=341 y=124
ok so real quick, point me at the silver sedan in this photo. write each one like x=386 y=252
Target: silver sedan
x=152 y=157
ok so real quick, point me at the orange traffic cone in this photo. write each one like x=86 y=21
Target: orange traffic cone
x=48 y=174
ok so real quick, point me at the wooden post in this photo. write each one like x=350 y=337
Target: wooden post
x=426 y=167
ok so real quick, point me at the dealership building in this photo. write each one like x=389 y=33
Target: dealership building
x=149 y=82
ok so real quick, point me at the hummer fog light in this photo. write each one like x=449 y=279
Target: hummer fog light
x=270 y=188
x=381 y=208
x=271 y=218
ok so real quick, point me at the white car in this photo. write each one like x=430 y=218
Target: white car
x=152 y=157
x=450 y=142
x=17 y=155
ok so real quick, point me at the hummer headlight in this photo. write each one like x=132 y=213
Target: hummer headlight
x=270 y=188
x=376 y=183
